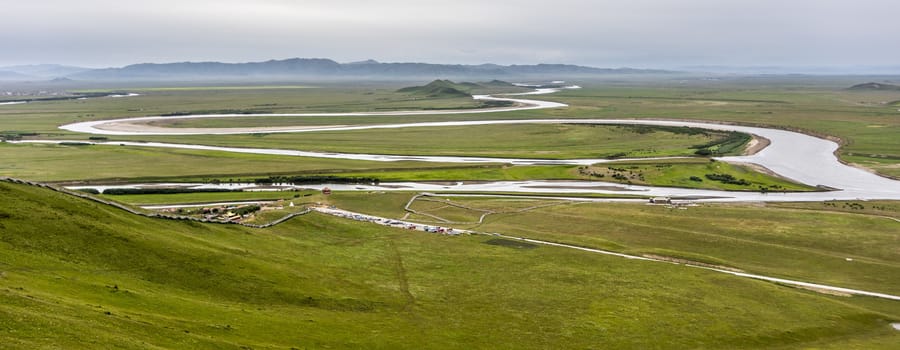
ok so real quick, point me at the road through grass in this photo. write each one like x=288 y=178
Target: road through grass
x=808 y=245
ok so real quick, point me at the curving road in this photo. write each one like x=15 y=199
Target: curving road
x=800 y=157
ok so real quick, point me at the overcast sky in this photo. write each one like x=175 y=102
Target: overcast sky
x=603 y=33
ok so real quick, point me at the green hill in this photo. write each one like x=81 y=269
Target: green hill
x=874 y=87
x=448 y=89
x=440 y=88
x=75 y=274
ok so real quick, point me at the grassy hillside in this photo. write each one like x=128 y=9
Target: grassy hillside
x=75 y=274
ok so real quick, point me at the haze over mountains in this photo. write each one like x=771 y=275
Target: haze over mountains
x=304 y=68
x=39 y=72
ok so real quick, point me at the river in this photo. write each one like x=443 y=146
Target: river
x=796 y=156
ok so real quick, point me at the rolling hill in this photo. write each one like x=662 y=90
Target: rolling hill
x=76 y=274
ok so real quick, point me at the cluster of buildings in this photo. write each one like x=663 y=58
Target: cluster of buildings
x=331 y=210
x=224 y=213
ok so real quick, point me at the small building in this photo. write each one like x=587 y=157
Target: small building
x=326 y=191
x=661 y=200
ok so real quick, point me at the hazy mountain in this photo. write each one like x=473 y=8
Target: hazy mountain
x=6 y=75
x=49 y=71
x=319 y=68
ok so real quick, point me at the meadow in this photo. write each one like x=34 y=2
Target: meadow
x=811 y=244
x=98 y=164
x=544 y=141
x=865 y=121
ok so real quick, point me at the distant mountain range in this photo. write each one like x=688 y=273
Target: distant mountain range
x=39 y=72
x=309 y=68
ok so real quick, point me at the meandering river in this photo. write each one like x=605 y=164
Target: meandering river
x=800 y=157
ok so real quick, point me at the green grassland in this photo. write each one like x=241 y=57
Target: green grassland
x=69 y=163
x=76 y=274
x=517 y=141
x=44 y=117
x=809 y=245
x=43 y=162
x=679 y=173
x=864 y=120
x=878 y=208
x=671 y=173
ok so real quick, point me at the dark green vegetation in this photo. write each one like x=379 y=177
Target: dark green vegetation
x=76 y=274
x=735 y=142
x=691 y=173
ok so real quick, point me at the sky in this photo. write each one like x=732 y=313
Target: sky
x=600 y=33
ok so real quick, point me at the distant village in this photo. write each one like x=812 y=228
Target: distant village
x=232 y=212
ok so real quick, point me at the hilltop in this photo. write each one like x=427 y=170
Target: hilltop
x=441 y=88
x=446 y=88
